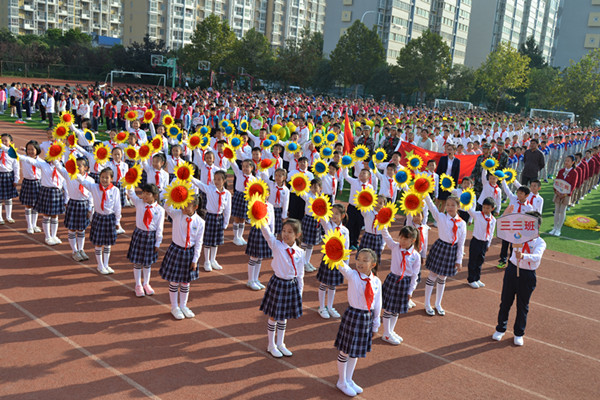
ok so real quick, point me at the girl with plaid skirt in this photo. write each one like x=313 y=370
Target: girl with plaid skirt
x=258 y=249
x=95 y=166
x=330 y=278
x=147 y=236
x=30 y=187
x=239 y=206
x=106 y=218
x=9 y=177
x=283 y=295
x=279 y=196
x=360 y=320
x=180 y=264
x=401 y=282
x=79 y=209
x=207 y=170
x=372 y=238
x=446 y=254
x=217 y=217
x=50 y=202
x=311 y=231
x=155 y=172
x=119 y=169
x=174 y=160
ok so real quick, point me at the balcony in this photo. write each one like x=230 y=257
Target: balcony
x=28 y=7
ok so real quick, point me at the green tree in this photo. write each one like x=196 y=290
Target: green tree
x=424 y=64
x=461 y=83
x=504 y=71
x=357 y=55
x=253 y=52
x=543 y=89
x=530 y=49
x=298 y=61
x=579 y=88
x=323 y=79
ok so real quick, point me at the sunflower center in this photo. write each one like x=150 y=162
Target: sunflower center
x=259 y=210
x=422 y=185
x=101 y=153
x=384 y=215
x=144 y=150
x=70 y=166
x=334 y=249
x=183 y=173
x=131 y=175
x=299 y=184
x=179 y=194
x=319 y=207
x=365 y=199
x=54 y=150
x=412 y=202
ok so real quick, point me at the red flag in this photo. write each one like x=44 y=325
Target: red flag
x=467 y=162
x=348 y=136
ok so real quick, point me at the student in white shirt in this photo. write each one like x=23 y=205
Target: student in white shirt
x=9 y=178
x=30 y=187
x=491 y=189
x=520 y=282
x=483 y=233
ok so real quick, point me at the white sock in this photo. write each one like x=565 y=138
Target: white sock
x=28 y=218
x=235 y=231
x=429 y=288
x=72 y=240
x=281 y=332
x=213 y=254
x=241 y=228
x=342 y=364
x=439 y=291
x=184 y=294
x=393 y=321
x=386 y=323
x=46 y=226
x=9 y=209
x=206 y=254
x=271 y=326
x=106 y=255
x=53 y=226
x=34 y=218
x=137 y=274
x=256 y=271
x=308 y=249
x=350 y=368
x=173 y=288
x=1 y=204
x=322 y=293
x=80 y=238
x=147 y=271
x=251 y=264
x=330 y=296
x=98 y=252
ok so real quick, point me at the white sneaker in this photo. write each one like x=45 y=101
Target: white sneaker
x=83 y=255
x=333 y=312
x=243 y=242
x=497 y=336
x=474 y=285
x=552 y=232
x=187 y=312
x=309 y=268
x=237 y=242
x=103 y=271
x=254 y=286
x=207 y=267
x=76 y=256
x=557 y=233
x=481 y=284
x=177 y=313
x=260 y=284
x=283 y=350
x=440 y=310
x=50 y=241
x=398 y=337
x=391 y=339
x=346 y=389
x=10 y=220
x=354 y=386
x=518 y=341
x=120 y=231
x=2 y=221
x=37 y=229
x=411 y=304
x=324 y=313
x=30 y=231
x=57 y=240
x=274 y=351
x=429 y=311
x=215 y=265
x=110 y=270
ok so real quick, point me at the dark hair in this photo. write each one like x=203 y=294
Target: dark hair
x=316 y=181
x=524 y=189
x=342 y=210
x=535 y=181
x=454 y=198
x=8 y=135
x=536 y=215
x=108 y=171
x=37 y=147
x=160 y=156
x=430 y=161
x=391 y=165
x=334 y=165
x=489 y=201
x=296 y=227
x=466 y=179
x=151 y=188
x=282 y=170
x=373 y=255
x=572 y=157
x=412 y=233
x=85 y=160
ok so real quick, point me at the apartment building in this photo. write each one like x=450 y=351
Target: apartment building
x=582 y=34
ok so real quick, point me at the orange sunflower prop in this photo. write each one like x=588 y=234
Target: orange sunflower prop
x=365 y=200
x=334 y=248
x=411 y=202
x=300 y=184
x=258 y=211
x=321 y=207
x=385 y=216
x=133 y=177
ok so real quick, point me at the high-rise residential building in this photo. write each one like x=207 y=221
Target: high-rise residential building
x=578 y=31
x=286 y=19
x=511 y=21
x=94 y=17
x=399 y=21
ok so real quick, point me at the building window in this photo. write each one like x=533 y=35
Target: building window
x=346 y=16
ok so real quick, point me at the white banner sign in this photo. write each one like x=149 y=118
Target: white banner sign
x=562 y=186
x=517 y=228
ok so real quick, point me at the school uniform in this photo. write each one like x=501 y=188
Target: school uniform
x=82 y=140
x=119 y=170
x=172 y=164
x=362 y=316
x=218 y=213
x=297 y=205
x=489 y=191
x=207 y=176
x=536 y=201
x=355 y=218
x=448 y=249
x=518 y=207
x=283 y=295
x=483 y=233
x=371 y=238
x=279 y=196
x=107 y=213
x=30 y=187
x=140 y=134
x=330 y=186
x=51 y=200
x=401 y=282
x=148 y=233
x=388 y=188
x=239 y=205
x=80 y=202
x=9 y=175
x=326 y=275
x=187 y=236
x=159 y=177
x=311 y=232
x=520 y=281
x=257 y=246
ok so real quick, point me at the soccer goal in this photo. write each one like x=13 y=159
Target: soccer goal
x=560 y=115
x=443 y=104
x=137 y=76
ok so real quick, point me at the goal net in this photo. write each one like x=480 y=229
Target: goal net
x=559 y=115
x=142 y=78
x=443 y=104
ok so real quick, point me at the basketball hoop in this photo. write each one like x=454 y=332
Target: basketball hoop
x=157 y=60
x=203 y=65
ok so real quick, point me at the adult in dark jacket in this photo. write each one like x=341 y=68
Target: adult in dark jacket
x=533 y=163
x=450 y=165
x=500 y=155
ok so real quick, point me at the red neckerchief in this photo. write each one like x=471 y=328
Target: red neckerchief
x=291 y=252
x=103 y=190
x=403 y=263
x=487 y=229
x=187 y=237
x=220 y=199
x=148 y=216
x=369 y=295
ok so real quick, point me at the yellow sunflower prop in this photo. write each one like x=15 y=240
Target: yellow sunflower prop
x=204 y=130
x=244 y=125
x=228 y=152
x=179 y=194
x=131 y=153
x=423 y=184
x=132 y=177
x=12 y=152
x=490 y=164
x=157 y=143
x=236 y=141
x=321 y=207
x=347 y=161
x=145 y=152
x=499 y=174
x=101 y=153
x=300 y=184
x=318 y=140
x=204 y=142
x=320 y=168
x=168 y=120
x=446 y=183
x=71 y=167
x=72 y=140
x=184 y=171
x=414 y=162
x=411 y=202
x=334 y=249
x=89 y=136
x=360 y=152
x=265 y=164
x=60 y=131
x=224 y=124
x=365 y=199
x=510 y=175
x=326 y=152
x=67 y=118
x=403 y=176
x=292 y=147
x=122 y=137
x=467 y=199
x=131 y=115
x=581 y=222
x=229 y=130
x=266 y=144
x=149 y=116
x=385 y=216
x=256 y=186
x=173 y=131
x=55 y=151
x=194 y=141
x=257 y=211
x=330 y=138
x=379 y=155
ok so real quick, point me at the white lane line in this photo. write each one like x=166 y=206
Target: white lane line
x=82 y=349
x=568 y=238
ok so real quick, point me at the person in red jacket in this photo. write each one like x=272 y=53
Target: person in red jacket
x=561 y=201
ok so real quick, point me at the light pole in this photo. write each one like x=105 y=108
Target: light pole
x=365 y=13
x=62 y=25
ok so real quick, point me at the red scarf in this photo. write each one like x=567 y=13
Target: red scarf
x=103 y=190
x=369 y=295
x=148 y=217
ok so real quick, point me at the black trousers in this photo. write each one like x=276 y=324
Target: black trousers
x=522 y=287
x=50 y=119
x=296 y=207
x=504 y=251
x=525 y=180
x=355 y=224
x=477 y=250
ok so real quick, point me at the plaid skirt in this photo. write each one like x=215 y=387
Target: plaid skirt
x=395 y=294
x=50 y=201
x=282 y=299
x=95 y=176
x=442 y=258
x=355 y=333
x=175 y=266
x=329 y=277
x=76 y=216
x=123 y=192
x=239 y=206
x=144 y=179
x=373 y=242
x=213 y=230
x=30 y=190
x=171 y=177
x=7 y=189
x=104 y=229
x=203 y=200
x=142 y=247
x=257 y=245
x=278 y=220
x=311 y=234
